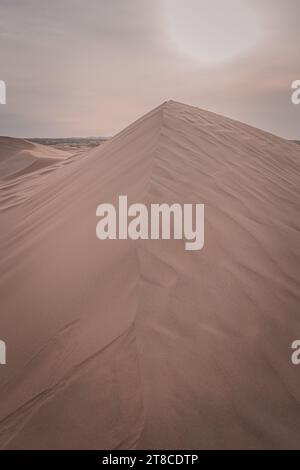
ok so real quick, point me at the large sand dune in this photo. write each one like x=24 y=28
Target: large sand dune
x=124 y=344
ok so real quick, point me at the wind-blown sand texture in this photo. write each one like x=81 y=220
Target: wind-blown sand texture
x=141 y=344
x=19 y=157
x=23 y=166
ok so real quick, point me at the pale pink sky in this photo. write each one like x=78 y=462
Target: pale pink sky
x=78 y=67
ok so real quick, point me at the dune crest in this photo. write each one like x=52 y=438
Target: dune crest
x=140 y=344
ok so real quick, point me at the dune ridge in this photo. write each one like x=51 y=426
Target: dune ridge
x=124 y=344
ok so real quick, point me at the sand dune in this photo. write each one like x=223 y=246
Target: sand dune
x=24 y=166
x=19 y=156
x=125 y=344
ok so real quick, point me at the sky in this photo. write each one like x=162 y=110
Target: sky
x=89 y=68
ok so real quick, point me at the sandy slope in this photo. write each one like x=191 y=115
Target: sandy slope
x=24 y=166
x=124 y=344
x=19 y=156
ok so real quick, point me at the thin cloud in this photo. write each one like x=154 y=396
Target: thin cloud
x=89 y=68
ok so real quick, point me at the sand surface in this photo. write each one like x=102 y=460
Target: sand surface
x=19 y=156
x=24 y=165
x=126 y=344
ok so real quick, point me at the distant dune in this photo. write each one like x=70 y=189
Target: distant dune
x=19 y=156
x=70 y=141
x=24 y=164
x=126 y=344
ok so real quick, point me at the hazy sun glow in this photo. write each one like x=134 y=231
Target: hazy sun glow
x=212 y=31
